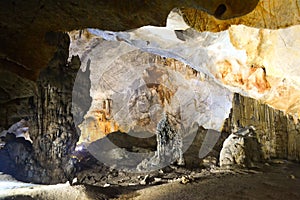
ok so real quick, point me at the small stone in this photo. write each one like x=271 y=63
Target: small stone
x=106 y=185
x=184 y=180
x=74 y=181
x=157 y=179
x=145 y=180
x=292 y=176
x=209 y=162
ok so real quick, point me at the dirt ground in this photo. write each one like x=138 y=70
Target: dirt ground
x=275 y=180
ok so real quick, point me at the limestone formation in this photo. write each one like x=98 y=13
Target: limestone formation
x=242 y=68
x=141 y=86
x=19 y=129
x=52 y=127
x=258 y=66
x=241 y=148
x=17 y=159
x=132 y=77
x=169 y=137
x=276 y=132
x=271 y=14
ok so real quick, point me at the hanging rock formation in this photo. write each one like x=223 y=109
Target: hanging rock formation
x=141 y=86
x=258 y=66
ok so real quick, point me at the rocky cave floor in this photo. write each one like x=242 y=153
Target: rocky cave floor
x=276 y=179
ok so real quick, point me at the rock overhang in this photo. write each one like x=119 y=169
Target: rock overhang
x=251 y=66
x=27 y=46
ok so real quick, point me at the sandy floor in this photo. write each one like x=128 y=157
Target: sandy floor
x=278 y=180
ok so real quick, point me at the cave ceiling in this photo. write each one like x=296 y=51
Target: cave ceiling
x=269 y=14
x=27 y=44
x=26 y=48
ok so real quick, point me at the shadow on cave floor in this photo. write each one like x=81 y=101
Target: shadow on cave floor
x=277 y=179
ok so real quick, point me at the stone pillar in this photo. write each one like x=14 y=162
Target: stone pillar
x=53 y=130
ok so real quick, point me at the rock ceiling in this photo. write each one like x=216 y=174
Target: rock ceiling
x=27 y=44
x=270 y=14
x=127 y=80
x=260 y=63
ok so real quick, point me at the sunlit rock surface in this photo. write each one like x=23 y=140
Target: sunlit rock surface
x=131 y=89
x=259 y=63
x=241 y=148
x=276 y=52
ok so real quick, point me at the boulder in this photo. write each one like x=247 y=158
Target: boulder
x=241 y=149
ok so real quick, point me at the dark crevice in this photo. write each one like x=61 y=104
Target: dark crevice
x=220 y=10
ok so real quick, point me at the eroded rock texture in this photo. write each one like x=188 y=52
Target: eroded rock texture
x=271 y=14
x=25 y=44
x=131 y=89
x=47 y=104
x=17 y=157
x=16 y=99
x=277 y=133
x=52 y=128
x=241 y=148
x=245 y=60
x=18 y=160
x=263 y=65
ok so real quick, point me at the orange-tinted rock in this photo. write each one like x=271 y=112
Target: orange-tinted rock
x=271 y=14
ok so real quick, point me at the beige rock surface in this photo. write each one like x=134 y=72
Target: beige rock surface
x=270 y=14
x=131 y=89
x=277 y=133
x=259 y=63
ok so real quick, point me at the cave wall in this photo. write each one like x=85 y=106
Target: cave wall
x=16 y=98
x=47 y=105
x=52 y=128
x=278 y=133
x=54 y=135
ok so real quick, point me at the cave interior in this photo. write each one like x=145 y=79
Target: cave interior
x=134 y=94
